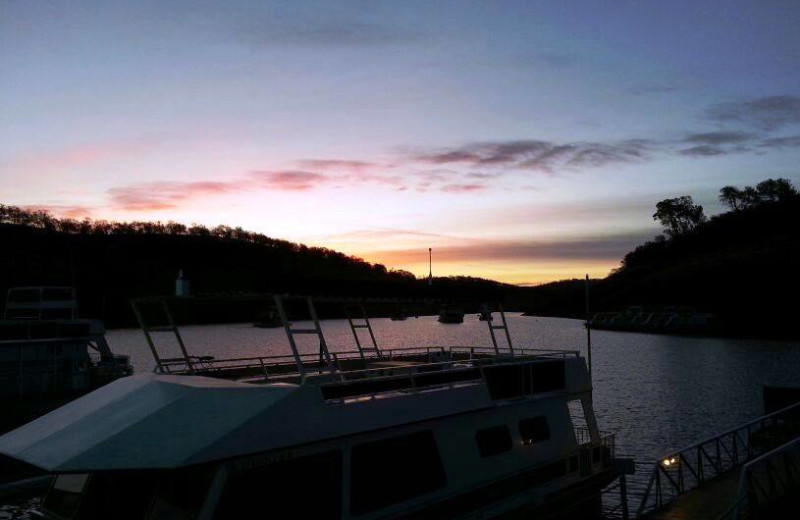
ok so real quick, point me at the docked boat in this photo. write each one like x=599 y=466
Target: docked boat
x=46 y=349
x=451 y=315
x=413 y=433
x=664 y=320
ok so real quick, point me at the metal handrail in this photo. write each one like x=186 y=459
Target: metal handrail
x=259 y=361
x=704 y=461
x=749 y=490
x=186 y=364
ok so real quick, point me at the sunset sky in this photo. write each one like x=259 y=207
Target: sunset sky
x=524 y=141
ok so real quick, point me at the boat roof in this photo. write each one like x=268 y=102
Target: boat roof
x=141 y=422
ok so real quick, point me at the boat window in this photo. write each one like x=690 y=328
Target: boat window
x=504 y=382
x=56 y=314
x=546 y=376
x=305 y=487
x=121 y=495
x=24 y=296
x=392 y=470
x=65 y=494
x=181 y=494
x=534 y=430
x=57 y=294
x=492 y=441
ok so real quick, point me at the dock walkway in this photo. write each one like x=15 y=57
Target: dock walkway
x=709 y=501
x=742 y=473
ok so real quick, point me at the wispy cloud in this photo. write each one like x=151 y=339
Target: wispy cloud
x=611 y=247
x=792 y=141
x=543 y=156
x=318 y=32
x=652 y=88
x=719 y=138
x=703 y=151
x=62 y=210
x=338 y=164
x=463 y=188
x=764 y=113
x=155 y=196
x=289 y=180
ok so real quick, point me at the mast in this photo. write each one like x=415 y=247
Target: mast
x=430 y=266
x=588 y=331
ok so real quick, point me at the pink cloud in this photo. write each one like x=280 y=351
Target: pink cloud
x=63 y=211
x=153 y=196
x=463 y=188
x=336 y=164
x=289 y=180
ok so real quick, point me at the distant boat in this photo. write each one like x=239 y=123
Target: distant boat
x=268 y=320
x=664 y=319
x=401 y=315
x=451 y=316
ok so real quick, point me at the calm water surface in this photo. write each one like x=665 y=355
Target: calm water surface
x=657 y=393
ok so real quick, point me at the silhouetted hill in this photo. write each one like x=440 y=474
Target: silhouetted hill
x=110 y=263
x=741 y=265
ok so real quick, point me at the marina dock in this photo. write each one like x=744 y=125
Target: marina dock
x=746 y=472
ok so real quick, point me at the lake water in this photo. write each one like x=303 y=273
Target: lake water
x=657 y=393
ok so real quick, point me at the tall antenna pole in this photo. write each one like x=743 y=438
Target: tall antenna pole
x=588 y=330
x=430 y=266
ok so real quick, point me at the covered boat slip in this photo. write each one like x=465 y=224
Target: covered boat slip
x=52 y=356
x=46 y=349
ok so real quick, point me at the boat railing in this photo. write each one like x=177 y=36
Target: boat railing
x=349 y=364
x=328 y=360
x=679 y=472
x=414 y=377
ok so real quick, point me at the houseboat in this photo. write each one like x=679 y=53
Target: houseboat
x=46 y=349
x=412 y=433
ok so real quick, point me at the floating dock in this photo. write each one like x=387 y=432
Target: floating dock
x=747 y=472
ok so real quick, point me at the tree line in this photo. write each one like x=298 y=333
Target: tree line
x=43 y=220
x=683 y=219
x=681 y=215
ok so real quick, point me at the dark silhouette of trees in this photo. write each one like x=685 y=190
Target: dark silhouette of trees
x=110 y=262
x=732 y=197
x=768 y=191
x=679 y=215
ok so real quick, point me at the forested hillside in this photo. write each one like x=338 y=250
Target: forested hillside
x=110 y=262
x=741 y=264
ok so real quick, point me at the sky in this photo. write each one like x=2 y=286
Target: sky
x=524 y=141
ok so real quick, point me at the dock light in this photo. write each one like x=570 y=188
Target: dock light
x=669 y=461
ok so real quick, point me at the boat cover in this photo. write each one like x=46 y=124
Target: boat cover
x=142 y=421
